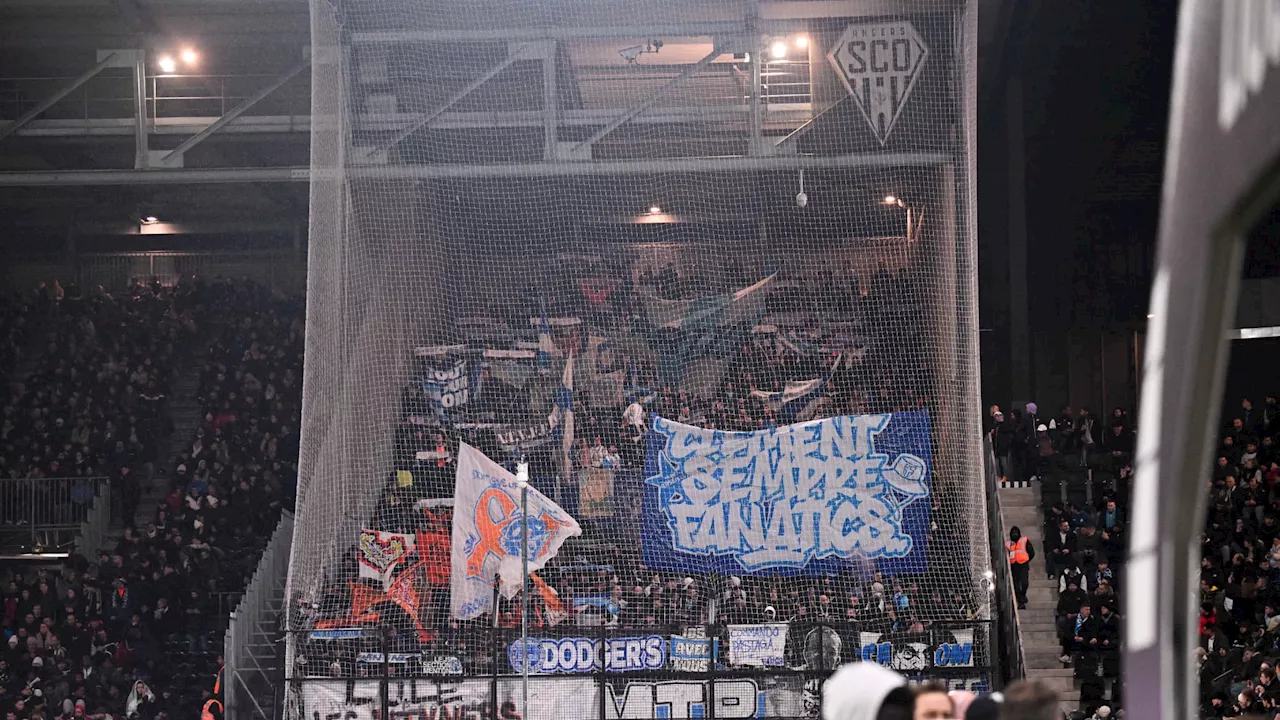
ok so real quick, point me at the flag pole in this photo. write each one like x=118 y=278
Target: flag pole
x=522 y=480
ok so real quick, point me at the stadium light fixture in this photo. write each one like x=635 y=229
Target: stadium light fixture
x=167 y=63
x=802 y=41
x=892 y=200
x=190 y=56
x=779 y=50
x=150 y=220
x=655 y=210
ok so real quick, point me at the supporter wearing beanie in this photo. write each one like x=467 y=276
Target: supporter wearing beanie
x=866 y=691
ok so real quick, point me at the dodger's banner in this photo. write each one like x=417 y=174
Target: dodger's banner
x=807 y=499
x=487 y=533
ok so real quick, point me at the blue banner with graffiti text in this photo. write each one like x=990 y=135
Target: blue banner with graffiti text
x=807 y=499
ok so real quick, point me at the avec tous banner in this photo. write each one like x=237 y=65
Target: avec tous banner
x=804 y=499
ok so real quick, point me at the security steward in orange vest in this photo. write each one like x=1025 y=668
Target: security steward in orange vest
x=1020 y=554
x=212 y=710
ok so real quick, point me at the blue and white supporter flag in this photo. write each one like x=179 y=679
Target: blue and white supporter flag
x=561 y=419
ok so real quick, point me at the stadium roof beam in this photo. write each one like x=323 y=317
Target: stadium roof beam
x=776 y=16
x=694 y=29
x=110 y=60
x=783 y=116
x=426 y=118
x=505 y=170
x=661 y=92
x=175 y=156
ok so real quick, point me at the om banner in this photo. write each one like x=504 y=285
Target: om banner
x=809 y=498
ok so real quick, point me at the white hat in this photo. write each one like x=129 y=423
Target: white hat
x=688 y=581
x=857 y=691
x=37 y=662
x=1041 y=427
x=1104 y=712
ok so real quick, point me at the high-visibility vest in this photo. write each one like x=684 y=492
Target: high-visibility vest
x=1018 y=554
x=206 y=712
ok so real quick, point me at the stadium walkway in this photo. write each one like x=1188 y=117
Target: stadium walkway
x=1040 y=646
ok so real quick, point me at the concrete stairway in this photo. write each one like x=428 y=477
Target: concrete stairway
x=184 y=412
x=1040 y=646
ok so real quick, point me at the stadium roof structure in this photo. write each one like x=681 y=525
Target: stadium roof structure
x=601 y=88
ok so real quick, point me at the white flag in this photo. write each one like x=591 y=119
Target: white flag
x=487 y=533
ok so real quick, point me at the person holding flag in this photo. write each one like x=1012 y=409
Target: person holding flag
x=561 y=421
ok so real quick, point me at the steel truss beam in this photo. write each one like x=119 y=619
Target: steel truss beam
x=779 y=116
x=630 y=114
x=237 y=111
x=696 y=29
x=426 y=118
x=200 y=176
x=110 y=60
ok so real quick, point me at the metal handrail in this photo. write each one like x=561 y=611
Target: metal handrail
x=1011 y=660
x=39 y=514
x=222 y=90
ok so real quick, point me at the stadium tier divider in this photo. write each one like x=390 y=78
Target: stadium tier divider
x=253 y=652
x=1007 y=641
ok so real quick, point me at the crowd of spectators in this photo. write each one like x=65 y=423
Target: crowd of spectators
x=1239 y=623
x=138 y=632
x=15 y=332
x=1240 y=570
x=94 y=403
x=1084 y=542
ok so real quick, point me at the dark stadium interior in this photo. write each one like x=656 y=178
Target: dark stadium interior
x=152 y=339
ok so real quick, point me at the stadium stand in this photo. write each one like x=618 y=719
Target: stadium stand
x=94 y=402
x=139 y=631
x=1076 y=519
x=1240 y=608
x=1084 y=468
x=600 y=581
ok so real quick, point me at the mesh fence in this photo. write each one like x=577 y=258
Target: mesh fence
x=708 y=269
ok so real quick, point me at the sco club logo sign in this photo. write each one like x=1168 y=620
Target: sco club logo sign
x=879 y=65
